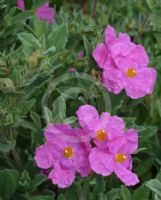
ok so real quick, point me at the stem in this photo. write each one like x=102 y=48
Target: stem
x=14 y=152
x=9 y=163
x=17 y=159
x=94 y=8
x=141 y=30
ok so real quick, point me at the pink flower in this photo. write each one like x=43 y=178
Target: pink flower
x=21 y=4
x=71 y=69
x=114 y=145
x=46 y=13
x=65 y=152
x=80 y=54
x=117 y=158
x=103 y=128
x=124 y=65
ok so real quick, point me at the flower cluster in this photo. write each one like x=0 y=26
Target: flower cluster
x=101 y=145
x=124 y=65
x=44 y=13
x=65 y=153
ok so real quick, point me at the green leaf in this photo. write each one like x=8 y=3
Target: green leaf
x=38 y=3
x=36 y=119
x=42 y=197
x=22 y=16
x=8 y=183
x=155 y=186
x=70 y=120
x=100 y=184
x=114 y=194
x=125 y=193
x=29 y=41
x=48 y=115
x=59 y=109
x=6 y=85
x=38 y=180
x=35 y=83
x=58 y=37
x=71 y=193
x=27 y=125
x=159 y=176
x=61 y=197
x=141 y=193
x=7 y=147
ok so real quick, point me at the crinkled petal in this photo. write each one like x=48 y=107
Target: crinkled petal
x=124 y=63
x=82 y=139
x=82 y=164
x=100 y=55
x=110 y=35
x=45 y=156
x=67 y=163
x=123 y=37
x=112 y=80
x=103 y=121
x=120 y=49
x=131 y=141
x=87 y=115
x=126 y=176
x=58 y=131
x=117 y=145
x=126 y=143
x=101 y=161
x=142 y=84
x=139 y=55
x=61 y=176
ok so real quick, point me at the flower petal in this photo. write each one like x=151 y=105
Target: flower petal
x=110 y=34
x=21 y=4
x=100 y=55
x=139 y=55
x=61 y=176
x=142 y=84
x=46 y=13
x=126 y=176
x=58 y=131
x=131 y=141
x=112 y=80
x=82 y=164
x=87 y=114
x=101 y=161
x=45 y=156
x=115 y=127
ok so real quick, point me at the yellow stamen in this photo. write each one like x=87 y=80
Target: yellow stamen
x=101 y=135
x=131 y=72
x=120 y=158
x=68 y=152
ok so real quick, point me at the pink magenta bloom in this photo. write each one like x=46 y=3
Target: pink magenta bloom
x=71 y=69
x=80 y=54
x=46 y=13
x=124 y=65
x=117 y=158
x=103 y=128
x=65 y=152
x=21 y=4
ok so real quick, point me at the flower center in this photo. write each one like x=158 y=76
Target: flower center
x=131 y=72
x=120 y=158
x=68 y=152
x=101 y=135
